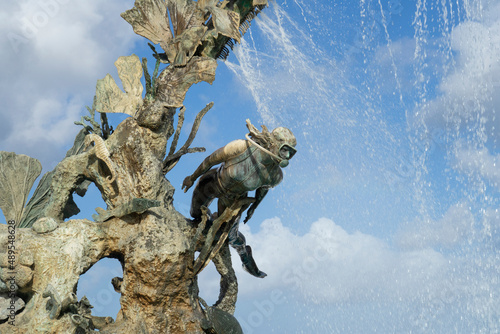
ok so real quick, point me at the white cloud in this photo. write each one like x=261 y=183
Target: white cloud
x=479 y=162
x=400 y=55
x=327 y=264
x=449 y=231
x=470 y=93
x=53 y=52
x=491 y=226
x=358 y=277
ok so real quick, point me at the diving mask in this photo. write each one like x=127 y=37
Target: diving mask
x=286 y=152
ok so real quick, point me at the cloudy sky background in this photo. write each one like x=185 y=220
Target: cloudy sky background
x=387 y=220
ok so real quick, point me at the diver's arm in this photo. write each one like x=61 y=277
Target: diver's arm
x=260 y=193
x=231 y=150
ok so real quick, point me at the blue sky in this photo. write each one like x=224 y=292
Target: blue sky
x=387 y=219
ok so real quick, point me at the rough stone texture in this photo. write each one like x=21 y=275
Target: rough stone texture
x=140 y=227
x=44 y=225
x=6 y=302
x=59 y=257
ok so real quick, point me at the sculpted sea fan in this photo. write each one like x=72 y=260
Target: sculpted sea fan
x=18 y=172
x=109 y=98
x=172 y=24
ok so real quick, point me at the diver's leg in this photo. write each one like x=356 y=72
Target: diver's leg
x=238 y=242
x=237 y=239
x=204 y=193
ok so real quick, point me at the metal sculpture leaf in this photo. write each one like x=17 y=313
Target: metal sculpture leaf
x=226 y=22
x=17 y=175
x=188 y=42
x=218 y=42
x=38 y=202
x=149 y=19
x=214 y=24
x=153 y=20
x=111 y=99
x=177 y=82
x=184 y=14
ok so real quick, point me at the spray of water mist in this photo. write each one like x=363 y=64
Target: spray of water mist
x=295 y=83
x=403 y=116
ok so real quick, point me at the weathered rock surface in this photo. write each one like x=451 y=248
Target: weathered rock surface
x=9 y=305
x=44 y=225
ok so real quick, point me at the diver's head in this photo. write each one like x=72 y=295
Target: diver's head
x=279 y=144
x=286 y=144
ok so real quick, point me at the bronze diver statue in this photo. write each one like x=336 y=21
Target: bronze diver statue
x=245 y=165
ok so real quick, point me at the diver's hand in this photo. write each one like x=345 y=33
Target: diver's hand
x=188 y=183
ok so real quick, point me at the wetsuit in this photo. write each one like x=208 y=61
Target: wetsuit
x=249 y=170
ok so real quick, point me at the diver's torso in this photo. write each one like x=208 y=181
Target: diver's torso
x=250 y=170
